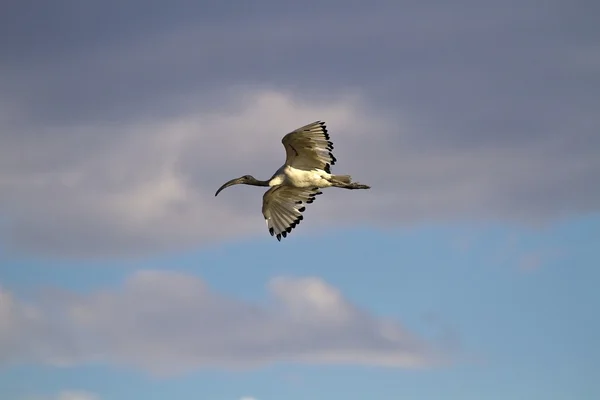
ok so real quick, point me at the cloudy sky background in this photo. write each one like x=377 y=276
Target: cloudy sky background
x=464 y=273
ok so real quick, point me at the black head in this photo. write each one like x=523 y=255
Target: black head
x=243 y=180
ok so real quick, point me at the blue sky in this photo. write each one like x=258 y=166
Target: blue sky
x=516 y=328
x=468 y=271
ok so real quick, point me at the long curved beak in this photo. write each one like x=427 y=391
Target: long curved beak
x=232 y=182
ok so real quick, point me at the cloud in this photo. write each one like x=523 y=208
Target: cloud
x=151 y=184
x=113 y=142
x=77 y=395
x=65 y=395
x=168 y=323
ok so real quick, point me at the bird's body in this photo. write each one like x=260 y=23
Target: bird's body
x=300 y=178
x=307 y=169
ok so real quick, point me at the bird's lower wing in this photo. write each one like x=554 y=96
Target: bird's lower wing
x=309 y=147
x=283 y=207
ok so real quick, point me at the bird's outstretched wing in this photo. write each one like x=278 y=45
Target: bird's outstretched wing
x=283 y=207
x=309 y=147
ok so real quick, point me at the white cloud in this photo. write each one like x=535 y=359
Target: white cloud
x=149 y=185
x=166 y=323
x=76 y=395
x=65 y=395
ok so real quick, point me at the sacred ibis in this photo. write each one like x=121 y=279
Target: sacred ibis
x=307 y=169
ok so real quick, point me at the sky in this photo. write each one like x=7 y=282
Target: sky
x=468 y=271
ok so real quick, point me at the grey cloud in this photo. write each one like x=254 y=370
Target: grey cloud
x=149 y=185
x=436 y=58
x=471 y=110
x=167 y=323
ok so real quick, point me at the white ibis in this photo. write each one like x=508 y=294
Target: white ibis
x=307 y=169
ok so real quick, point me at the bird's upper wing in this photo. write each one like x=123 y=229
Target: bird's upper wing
x=309 y=147
x=283 y=207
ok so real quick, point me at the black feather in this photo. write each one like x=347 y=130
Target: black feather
x=333 y=159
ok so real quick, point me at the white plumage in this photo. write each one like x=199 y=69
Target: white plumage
x=307 y=169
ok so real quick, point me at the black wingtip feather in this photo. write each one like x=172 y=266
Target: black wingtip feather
x=325 y=133
x=289 y=229
x=333 y=159
x=301 y=209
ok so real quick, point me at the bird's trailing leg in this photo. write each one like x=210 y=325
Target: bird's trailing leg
x=345 y=182
x=355 y=185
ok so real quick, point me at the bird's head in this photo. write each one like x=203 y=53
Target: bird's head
x=243 y=180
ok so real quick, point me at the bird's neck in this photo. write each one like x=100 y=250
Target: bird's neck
x=256 y=182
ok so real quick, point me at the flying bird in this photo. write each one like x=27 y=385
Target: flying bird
x=307 y=169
